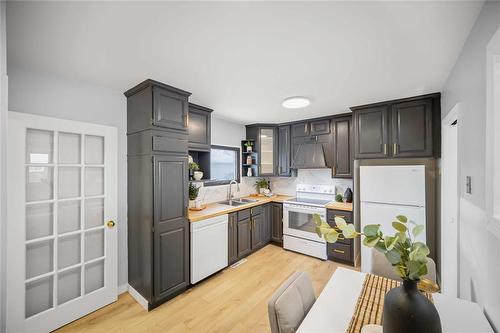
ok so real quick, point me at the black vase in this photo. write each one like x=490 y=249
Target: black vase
x=348 y=195
x=407 y=310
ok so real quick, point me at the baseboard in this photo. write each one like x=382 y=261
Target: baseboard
x=138 y=298
x=122 y=289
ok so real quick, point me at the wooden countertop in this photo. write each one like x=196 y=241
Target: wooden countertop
x=340 y=206
x=216 y=209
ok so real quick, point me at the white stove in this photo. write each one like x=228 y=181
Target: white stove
x=299 y=228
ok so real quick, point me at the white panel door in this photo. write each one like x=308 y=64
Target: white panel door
x=383 y=214
x=397 y=184
x=62 y=238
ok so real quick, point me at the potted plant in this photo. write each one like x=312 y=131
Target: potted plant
x=248 y=146
x=405 y=308
x=194 y=171
x=262 y=186
x=193 y=194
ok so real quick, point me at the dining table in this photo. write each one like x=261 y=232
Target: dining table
x=333 y=310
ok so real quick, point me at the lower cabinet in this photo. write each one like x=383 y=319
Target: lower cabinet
x=249 y=230
x=232 y=239
x=343 y=249
x=277 y=222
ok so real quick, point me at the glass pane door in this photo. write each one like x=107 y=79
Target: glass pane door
x=65 y=198
x=266 y=151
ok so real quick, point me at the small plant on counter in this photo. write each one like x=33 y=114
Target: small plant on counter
x=338 y=197
x=261 y=183
x=193 y=191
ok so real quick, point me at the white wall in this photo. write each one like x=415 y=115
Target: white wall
x=479 y=249
x=55 y=97
x=3 y=136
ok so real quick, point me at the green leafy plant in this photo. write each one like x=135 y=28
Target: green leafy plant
x=261 y=183
x=193 y=191
x=194 y=166
x=339 y=197
x=248 y=144
x=407 y=256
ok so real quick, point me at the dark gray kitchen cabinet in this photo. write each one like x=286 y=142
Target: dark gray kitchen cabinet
x=232 y=238
x=412 y=128
x=257 y=226
x=277 y=222
x=152 y=104
x=342 y=148
x=407 y=127
x=343 y=249
x=266 y=148
x=199 y=127
x=284 y=151
x=158 y=228
x=300 y=129
x=320 y=127
x=371 y=132
x=244 y=233
x=267 y=223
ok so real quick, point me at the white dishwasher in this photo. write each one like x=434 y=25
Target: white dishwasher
x=208 y=247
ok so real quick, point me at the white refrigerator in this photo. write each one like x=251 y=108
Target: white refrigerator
x=388 y=191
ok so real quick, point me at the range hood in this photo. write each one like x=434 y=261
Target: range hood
x=309 y=156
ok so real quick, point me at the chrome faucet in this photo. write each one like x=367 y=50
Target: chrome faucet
x=237 y=188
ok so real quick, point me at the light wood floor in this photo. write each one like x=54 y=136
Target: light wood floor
x=234 y=300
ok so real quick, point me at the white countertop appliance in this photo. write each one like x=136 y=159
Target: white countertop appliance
x=388 y=191
x=299 y=228
x=208 y=247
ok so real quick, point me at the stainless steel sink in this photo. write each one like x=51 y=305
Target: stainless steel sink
x=237 y=202
x=232 y=203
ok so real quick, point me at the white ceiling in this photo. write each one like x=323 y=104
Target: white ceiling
x=243 y=58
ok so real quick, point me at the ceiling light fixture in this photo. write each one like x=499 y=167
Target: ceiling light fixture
x=296 y=102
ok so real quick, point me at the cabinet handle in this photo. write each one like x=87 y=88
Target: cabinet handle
x=185 y=120
x=385 y=148
x=339 y=251
x=395 y=149
x=305 y=128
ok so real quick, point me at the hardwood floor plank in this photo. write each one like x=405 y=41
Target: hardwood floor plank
x=234 y=300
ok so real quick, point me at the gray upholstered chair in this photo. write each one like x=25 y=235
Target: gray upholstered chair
x=290 y=303
x=382 y=267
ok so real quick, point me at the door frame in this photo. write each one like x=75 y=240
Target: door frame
x=75 y=308
x=450 y=131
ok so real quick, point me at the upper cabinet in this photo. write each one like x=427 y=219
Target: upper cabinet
x=300 y=130
x=342 y=147
x=319 y=127
x=267 y=150
x=199 y=127
x=284 y=151
x=152 y=104
x=400 y=128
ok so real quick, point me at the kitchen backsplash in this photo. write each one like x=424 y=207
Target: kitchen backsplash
x=280 y=185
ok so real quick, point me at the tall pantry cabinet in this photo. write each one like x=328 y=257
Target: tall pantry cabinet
x=158 y=229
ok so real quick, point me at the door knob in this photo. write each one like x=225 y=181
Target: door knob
x=110 y=224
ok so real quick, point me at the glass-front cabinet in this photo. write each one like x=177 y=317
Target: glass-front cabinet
x=267 y=144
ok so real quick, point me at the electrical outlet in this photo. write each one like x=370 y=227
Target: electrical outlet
x=468 y=184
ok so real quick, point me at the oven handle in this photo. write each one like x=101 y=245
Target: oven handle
x=312 y=210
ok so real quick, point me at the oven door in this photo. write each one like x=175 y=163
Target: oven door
x=298 y=221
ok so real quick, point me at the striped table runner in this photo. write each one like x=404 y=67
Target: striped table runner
x=371 y=302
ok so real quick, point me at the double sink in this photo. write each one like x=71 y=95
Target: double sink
x=237 y=202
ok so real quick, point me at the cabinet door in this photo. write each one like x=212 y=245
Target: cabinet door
x=371 y=132
x=257 y=223
x=412 y=129
x=300 y=129
x=277 y=222
x=199 y=129
x=244 y=237
x=319 y=127
x=343 y=250
x=170 y=109
x=267 y=142
x=171 y=229
x=326 y=141
x=284 y=151
x=232 y=238
x=342 y=148
x=267 y=222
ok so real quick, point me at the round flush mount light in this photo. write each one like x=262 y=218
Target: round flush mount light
x=296 y=102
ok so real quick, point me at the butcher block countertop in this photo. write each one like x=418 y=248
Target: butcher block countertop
x=216 y=209
x=340 y=206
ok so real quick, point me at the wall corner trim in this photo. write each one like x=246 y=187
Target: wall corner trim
x=138 y=297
